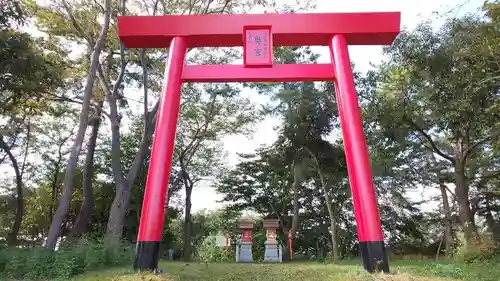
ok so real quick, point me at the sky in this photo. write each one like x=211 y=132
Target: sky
x=412 y=12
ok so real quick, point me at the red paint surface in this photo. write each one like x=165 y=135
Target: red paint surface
x=275 y=73
x=358 y=161
x=287 y=29
x=351 y=174
x=153 y=207
x=290 y=243
x=257 y=46
x=246 y=236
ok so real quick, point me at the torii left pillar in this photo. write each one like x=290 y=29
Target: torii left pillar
x=160 y=165
x=258 y=34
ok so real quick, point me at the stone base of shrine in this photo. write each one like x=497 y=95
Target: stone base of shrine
x=244 y=252
x=273 y=252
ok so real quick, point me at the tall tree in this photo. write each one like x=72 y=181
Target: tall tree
x=29 y=72
x=71 y=166
x=86 y=208
x=123 y=184
x=435 y=93
x=308 y=116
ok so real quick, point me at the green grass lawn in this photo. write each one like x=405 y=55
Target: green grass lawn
x=401 y=271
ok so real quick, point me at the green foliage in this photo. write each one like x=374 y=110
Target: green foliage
x=432 y=115
x=480 y=249
x=447 y=270
x=30 y=70
x=258 y=246
x=10 y=12
x=209 y=251
x=38 y=263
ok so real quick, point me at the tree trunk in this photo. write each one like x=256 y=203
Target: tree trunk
x=297 y=182
x=448 y=232
x=187 y=217
x=124 y=184
x=466 y=215
x=88 y=175
x=491 y=223
x=331 y=215
x=464 y=210
x=117 y=214
x=123 y=190
x=438 y=252
x=55 y=179
x=54 y=191
x=18 y=219
x=328 y=202
x=62 y=209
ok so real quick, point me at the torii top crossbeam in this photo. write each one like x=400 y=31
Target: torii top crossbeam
x=287 y=29
x=277 y=29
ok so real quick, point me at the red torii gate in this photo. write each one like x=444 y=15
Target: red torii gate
x=258 y=34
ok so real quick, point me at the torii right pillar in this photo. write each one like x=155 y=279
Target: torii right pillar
x=366 y=211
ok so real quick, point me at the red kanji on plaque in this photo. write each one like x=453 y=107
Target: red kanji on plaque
x=257 y=46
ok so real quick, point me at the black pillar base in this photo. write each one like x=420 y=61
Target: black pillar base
x=374 y=256
x=146 y=256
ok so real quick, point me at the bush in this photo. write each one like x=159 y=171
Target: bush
x=446 y=270
x=38 y=263
x=477 y=250
x=208 y=251
x=258 y=245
